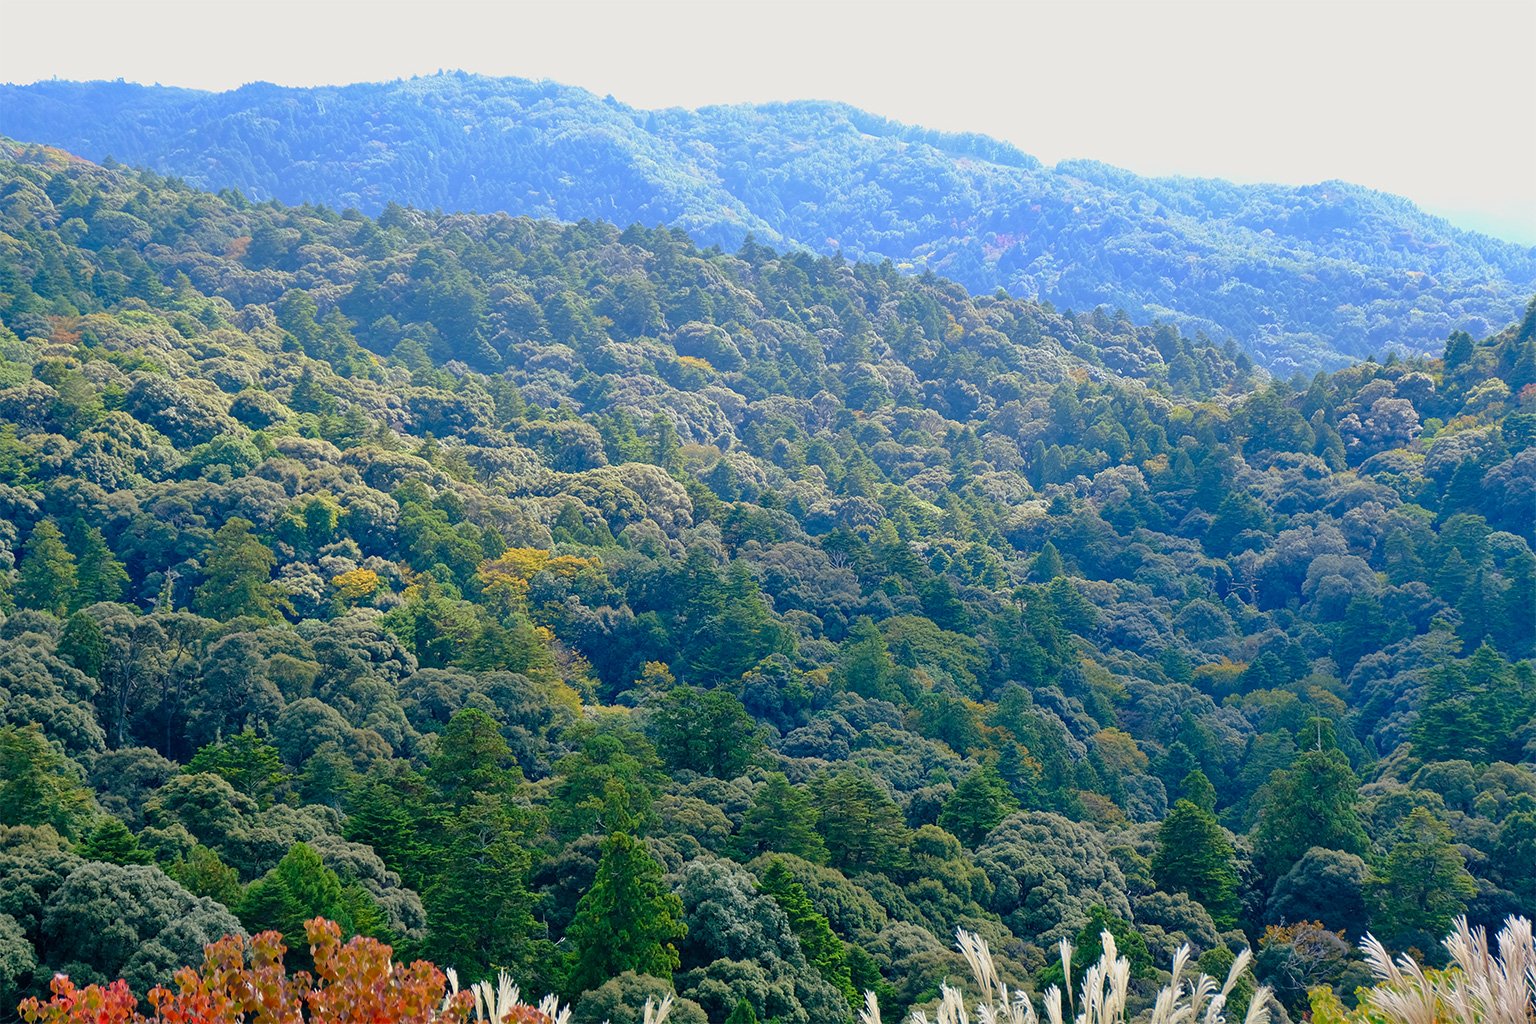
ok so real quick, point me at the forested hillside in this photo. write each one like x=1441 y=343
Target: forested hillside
x=1303 y=277
x=631 y=615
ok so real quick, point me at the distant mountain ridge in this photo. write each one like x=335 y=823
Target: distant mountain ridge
x=1305 y=277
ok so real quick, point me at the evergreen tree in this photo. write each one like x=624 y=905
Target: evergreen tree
x=302 y=887
x=202 y=873
x=238 y=576
x=706 y=731
x=1088 y=946
x=859 y=822
x=627 y=921
x=112 y=842
x=781 y=819
x=478 y=902
x=249 y=763
x=1047 y=565
x=472 y=757
x=865 y=666
x=101 y=576
x=1310 y=804
x=39 y=785
x=84 y=644
x=979 y=802
x=1422 y=885
x=1472 y=708
x=48 y=579
x=823 y=950
x=742 y=1013
x=1194 y=856
x=1196 y=787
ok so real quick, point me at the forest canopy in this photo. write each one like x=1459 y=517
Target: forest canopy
x=1303 y=277
x=632 y=615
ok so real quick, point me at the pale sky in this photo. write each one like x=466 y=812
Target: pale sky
x=1433 y=100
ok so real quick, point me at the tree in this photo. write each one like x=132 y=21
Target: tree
x=781 y=819
x=111 y=841
x=742 y=1014
x=864 y=665
x=979 y=802
x=249 y=763
x=1088 y=947
x=1472 y=708
x=627 y=921
x=301 y=887
x=1310 y=804
x=472 y=757
x=859 y=822
x=237 y=576
x=1194 y=856
x=1327 y=886
x=38 y=785
x=1515 y=854
x=478 y=902
x=84 y=643
x=47 y=580
x=706 y=731
x=1047 y=564
x=823 y=950
x=101 y=576
x=130 y=921
x=1422 y=885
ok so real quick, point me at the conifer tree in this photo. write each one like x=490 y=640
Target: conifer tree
x=84 y=644
x=782 y=819
x=112 y=842
x=1194 y=856
x=979 y=802
x=823 y=950
x=1310 y=804
x=742 y=1013
x=627 y=921
x=48 y=577
x=101 y=576
x=1422 y=885
x=238 y=576
x=479 y=903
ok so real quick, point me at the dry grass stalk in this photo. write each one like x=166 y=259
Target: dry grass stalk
x=1479 y=987
x=1101 y=997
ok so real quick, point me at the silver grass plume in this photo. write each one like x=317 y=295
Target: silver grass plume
x=1102 y=993
x=1479 y=988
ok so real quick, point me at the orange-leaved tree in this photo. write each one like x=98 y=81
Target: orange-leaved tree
x=354 y=983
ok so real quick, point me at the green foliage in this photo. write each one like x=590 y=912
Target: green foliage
x=627 y=921
x=237 y=576
x=858 y=821
x=515 y=535
x=301 y=887
x=1336 y=278
x=1195 y=856
x=1423 y=884
x=1472 y=708
x=111 y=841
x=40 y=786
x=1310 y=804
x=980 y=801
x=1088 y=947
x=823 y=950
x=781 y=819
x=705 y=731
x=47 y=579
x=248 y=762
x=742 y=1013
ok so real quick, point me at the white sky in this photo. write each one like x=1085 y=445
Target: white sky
x=1433 y=100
